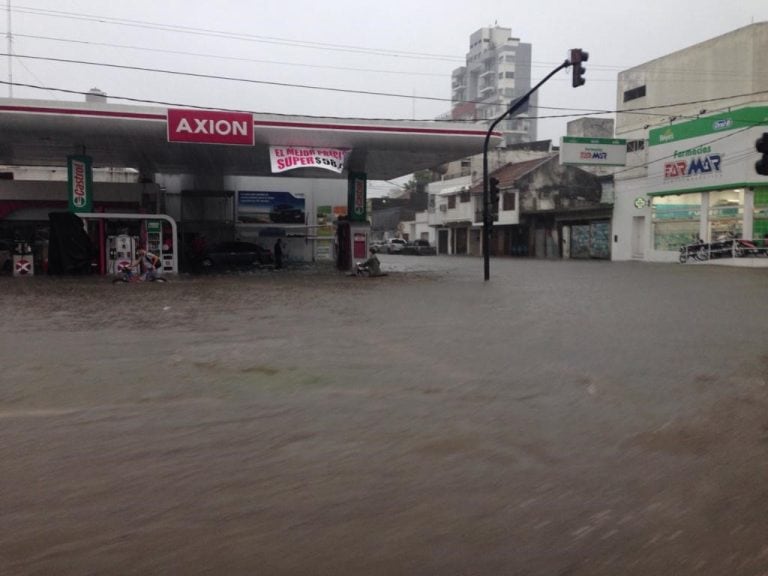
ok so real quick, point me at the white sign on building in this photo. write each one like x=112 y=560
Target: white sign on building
x=593 y=151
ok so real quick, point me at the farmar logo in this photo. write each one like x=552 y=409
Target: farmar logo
x=699 y=161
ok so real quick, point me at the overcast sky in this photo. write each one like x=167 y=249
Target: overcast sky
x=401 y=47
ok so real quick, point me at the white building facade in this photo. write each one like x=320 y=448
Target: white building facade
x=695 y=116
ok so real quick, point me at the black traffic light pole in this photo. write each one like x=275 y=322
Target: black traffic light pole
x=761 y=145
x=575 y=55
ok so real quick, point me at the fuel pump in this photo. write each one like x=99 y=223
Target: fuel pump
x=121 y=251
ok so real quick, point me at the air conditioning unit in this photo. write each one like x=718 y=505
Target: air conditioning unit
x=443 y=208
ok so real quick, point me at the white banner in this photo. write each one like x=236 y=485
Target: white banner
x=285 y=158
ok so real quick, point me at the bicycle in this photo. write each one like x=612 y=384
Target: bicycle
x=126 y=274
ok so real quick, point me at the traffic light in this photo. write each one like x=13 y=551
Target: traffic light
x=761 y=145
x=578 y=56
x=494 y=196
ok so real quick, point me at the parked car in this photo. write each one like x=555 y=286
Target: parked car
x=287 y=214
x=380 y=246
x=395 y=245
x=236 y=254
x=419 y=248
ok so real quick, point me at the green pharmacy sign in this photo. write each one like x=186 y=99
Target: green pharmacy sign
x=593 y=151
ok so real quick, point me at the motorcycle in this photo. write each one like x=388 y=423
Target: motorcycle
x=740 y=247
x=699 y=251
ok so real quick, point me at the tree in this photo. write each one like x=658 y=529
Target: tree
x=419 y=181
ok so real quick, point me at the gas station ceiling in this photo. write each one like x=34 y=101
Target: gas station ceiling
x=44 y=133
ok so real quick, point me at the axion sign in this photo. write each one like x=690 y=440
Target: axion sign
x=210 y=127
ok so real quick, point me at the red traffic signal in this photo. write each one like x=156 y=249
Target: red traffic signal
x=578 y=56
x=761 y=145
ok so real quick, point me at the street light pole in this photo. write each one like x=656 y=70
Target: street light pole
x=486 y=194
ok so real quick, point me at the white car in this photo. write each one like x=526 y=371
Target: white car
x=395 y=245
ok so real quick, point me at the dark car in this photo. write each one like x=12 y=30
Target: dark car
x=419 y=248
x=236 y=255
x=287 y=214
x=6 y=255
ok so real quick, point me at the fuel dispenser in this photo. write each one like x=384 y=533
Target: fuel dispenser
x=23 y=260
x=352 y=243
x=160 y=243
x=121 y=251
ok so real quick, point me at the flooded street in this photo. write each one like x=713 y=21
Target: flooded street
x=565 y=418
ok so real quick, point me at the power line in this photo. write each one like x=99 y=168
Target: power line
x=582 y=112
x=226 y=78
x=231 y=58
x=264 y=39
x=324 y=88
x=401 y=72
x=231 y=35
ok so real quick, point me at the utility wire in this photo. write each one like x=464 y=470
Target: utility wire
x=267 y=39
x=232 y=35
x=582 y=112
x=230 y=58
x=642 y=110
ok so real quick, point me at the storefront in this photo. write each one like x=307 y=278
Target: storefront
x=701 y=186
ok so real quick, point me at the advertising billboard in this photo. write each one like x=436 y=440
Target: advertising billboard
x=257 y=207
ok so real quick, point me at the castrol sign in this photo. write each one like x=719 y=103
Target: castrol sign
x=80 y=183
x=210 y=127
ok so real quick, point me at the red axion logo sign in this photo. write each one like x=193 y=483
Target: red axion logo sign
x=210 y=127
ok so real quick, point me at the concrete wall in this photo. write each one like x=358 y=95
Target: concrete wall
x=728 y=66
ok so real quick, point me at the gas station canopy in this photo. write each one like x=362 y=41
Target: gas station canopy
x=44 y=133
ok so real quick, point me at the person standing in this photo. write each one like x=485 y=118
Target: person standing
x=278 y=254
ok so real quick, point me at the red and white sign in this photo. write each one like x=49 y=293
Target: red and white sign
x=290 y=157
x=22 y=267
x=210 y=127
x=79 y=194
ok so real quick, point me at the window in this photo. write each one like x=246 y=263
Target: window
x=451 y=201
x=464 y=196
x=635 y=145
x=675 y=220
x=760 y=223
x=634 y=93
x=508 y=201
x=726 y=213
x=509 y=74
